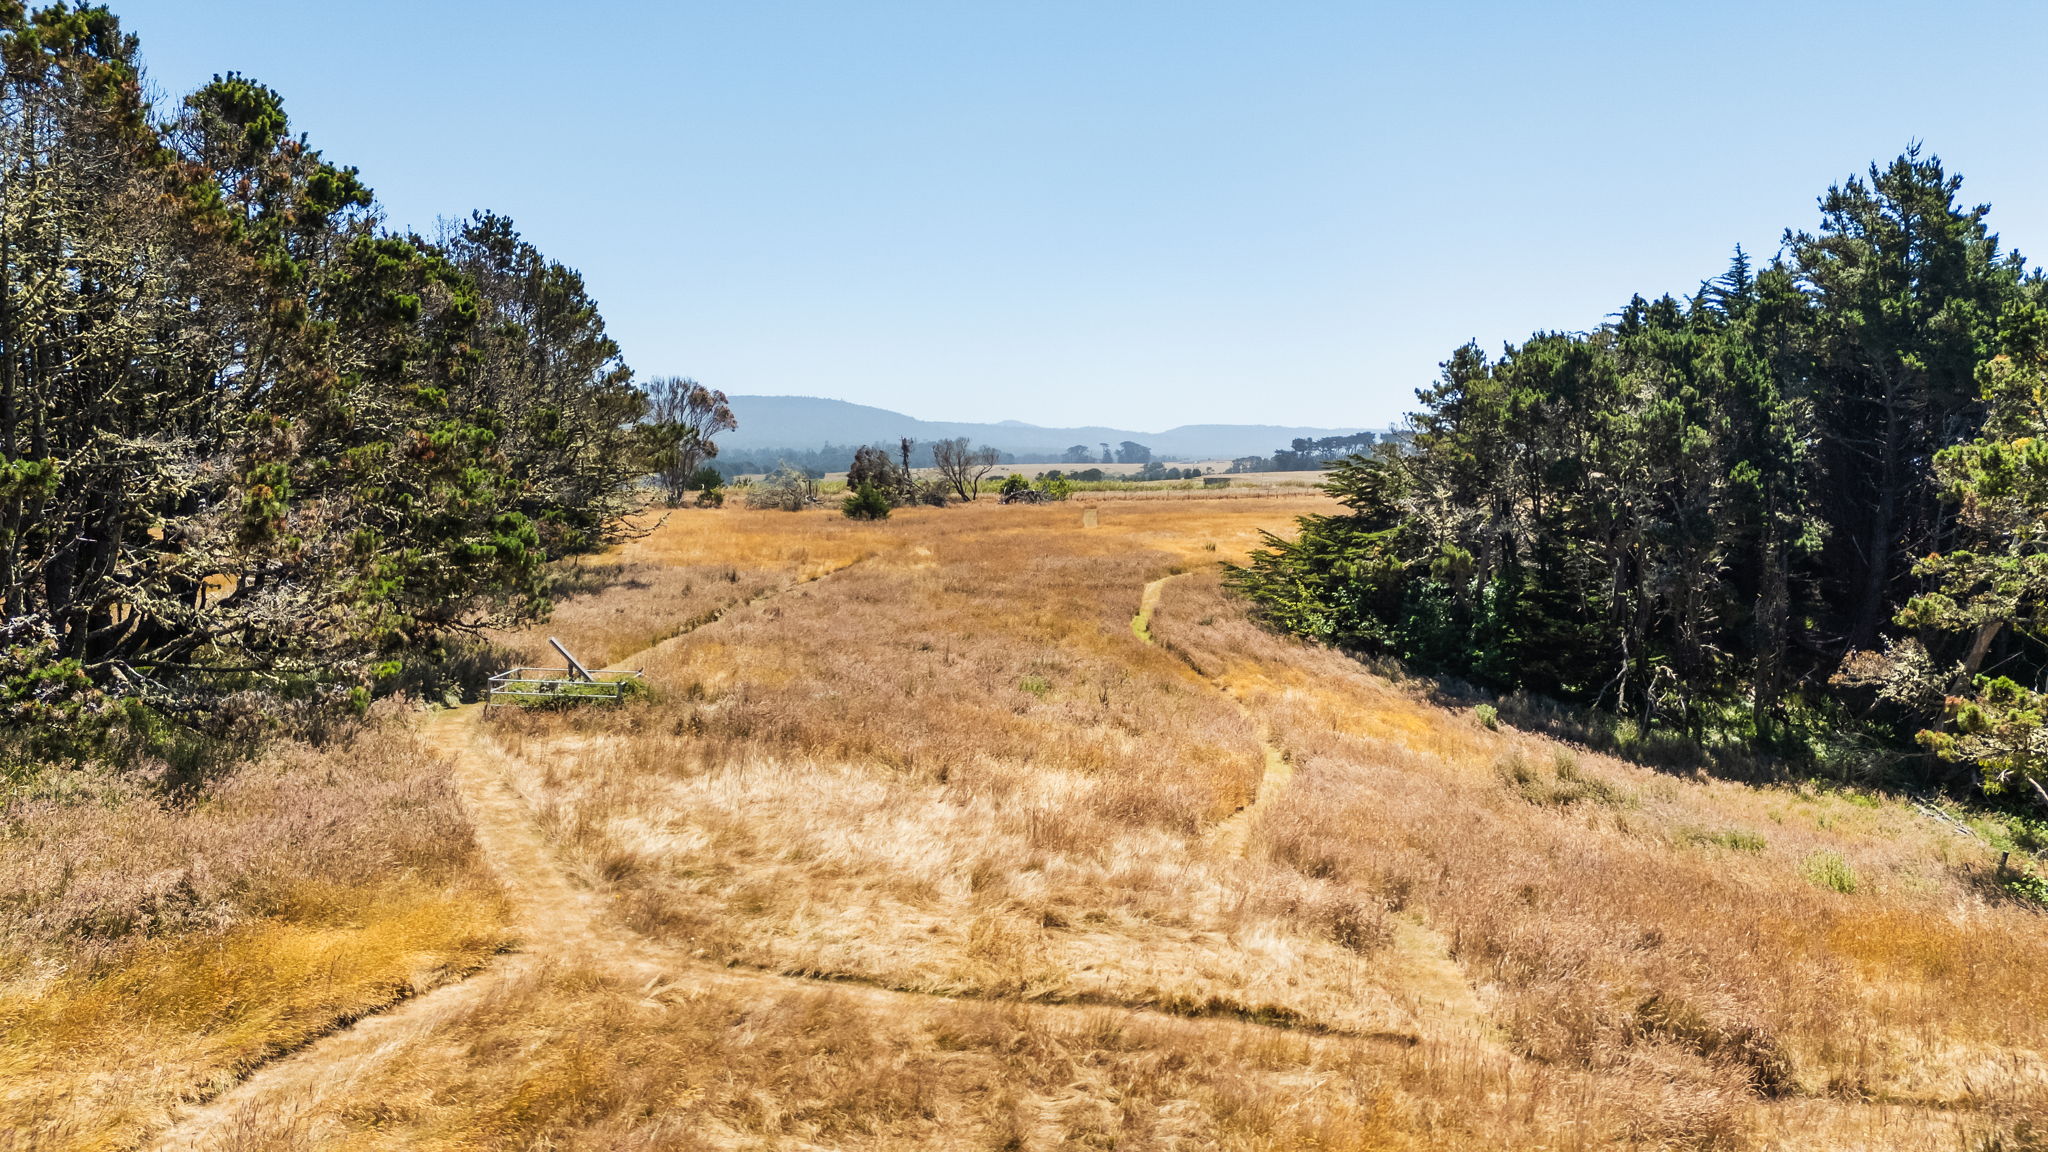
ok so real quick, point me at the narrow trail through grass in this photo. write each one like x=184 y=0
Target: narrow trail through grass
x=1231 y=835
x=1435 y=988
x=558 y=922
x=564 y=925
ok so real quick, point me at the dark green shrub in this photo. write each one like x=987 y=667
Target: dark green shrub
x=866 y=503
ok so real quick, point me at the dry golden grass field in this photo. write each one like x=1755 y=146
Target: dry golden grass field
x=985 y=828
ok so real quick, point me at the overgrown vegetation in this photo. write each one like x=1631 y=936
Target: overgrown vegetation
x=251 y=440
x=1626 y=958
x=1804 y=507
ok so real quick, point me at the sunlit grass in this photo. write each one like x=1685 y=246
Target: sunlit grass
x=932 y=755
x=152 y=952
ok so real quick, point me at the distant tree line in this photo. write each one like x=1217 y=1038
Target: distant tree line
x=1307 y=455
x=251 y=440
x=1810 y=499
x=1128 y=452
x=1152 y=470
x=824 y=460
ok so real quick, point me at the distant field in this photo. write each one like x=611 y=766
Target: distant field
x=837 y=480
x=982 y=827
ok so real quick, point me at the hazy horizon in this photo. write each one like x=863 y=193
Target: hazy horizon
x=1146 y=216
x=945 y=418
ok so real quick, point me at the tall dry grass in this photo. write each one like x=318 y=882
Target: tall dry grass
x=1674 y=930
x=955 y=769
x=951 y=768
x=575 y=1060
x=152 y=948
x=683 y=569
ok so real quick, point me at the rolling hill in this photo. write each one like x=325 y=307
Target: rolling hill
x=768 y=422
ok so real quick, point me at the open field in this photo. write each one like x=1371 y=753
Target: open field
x=1115 y=477
x=980 y=828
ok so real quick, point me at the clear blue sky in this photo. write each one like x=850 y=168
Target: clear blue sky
x=1139 y=214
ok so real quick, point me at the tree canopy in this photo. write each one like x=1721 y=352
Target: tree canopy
x=251 y=439
x=1805 y=494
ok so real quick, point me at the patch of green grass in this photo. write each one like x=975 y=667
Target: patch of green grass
x=1488 y=715
x=1036 y=685
x=564 y=694
x=2026 y=886
x=2009 y=831
x=1830 y=871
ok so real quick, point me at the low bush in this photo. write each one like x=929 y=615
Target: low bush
x=866 y=502
x=785 y=489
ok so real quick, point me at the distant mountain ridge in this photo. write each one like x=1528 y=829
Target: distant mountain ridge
x=768 y=422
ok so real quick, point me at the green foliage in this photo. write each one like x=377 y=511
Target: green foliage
x=1830 y=871
x=873 y=467
x=41 y=690
x=2026 y=885
x=1703 y=514
x=866 y=502
x=1488 y=716
x=265 y=445
x=1987 y=594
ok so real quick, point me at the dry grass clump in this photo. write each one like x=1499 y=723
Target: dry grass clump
x=150 y=950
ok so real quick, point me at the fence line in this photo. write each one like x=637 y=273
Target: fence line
x=519 y=685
